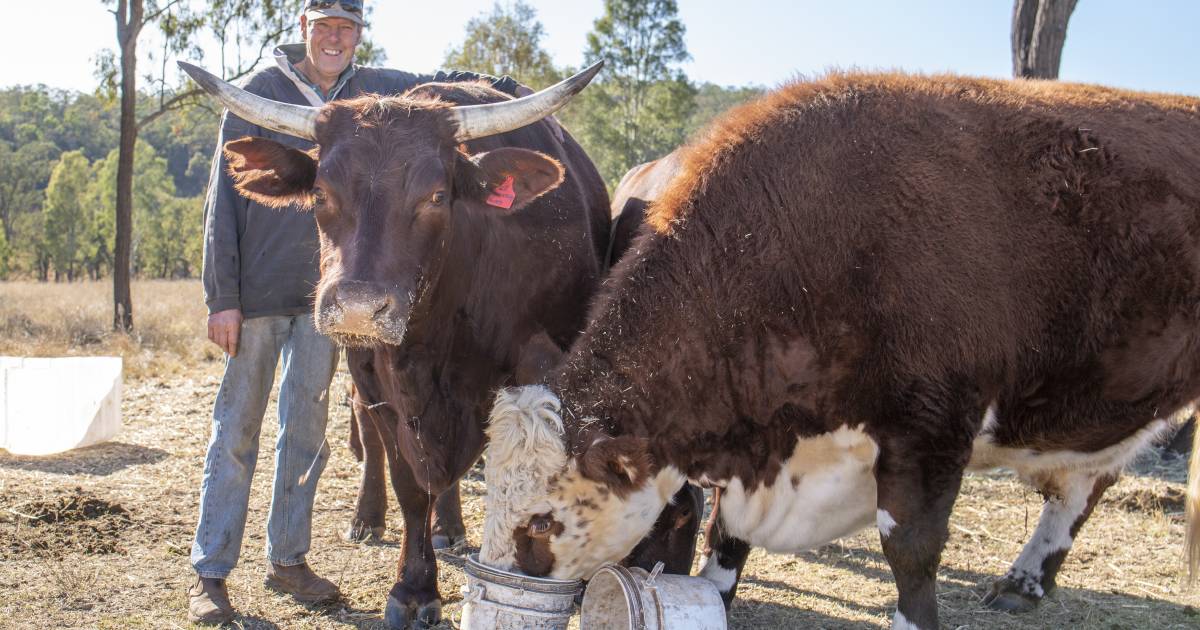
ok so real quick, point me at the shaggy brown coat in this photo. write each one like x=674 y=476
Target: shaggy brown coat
x=903 y=253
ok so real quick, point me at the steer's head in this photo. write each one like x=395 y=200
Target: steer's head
x=553 y=511
x=386 y=182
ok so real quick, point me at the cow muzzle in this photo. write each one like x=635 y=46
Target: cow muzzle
x=359 y=313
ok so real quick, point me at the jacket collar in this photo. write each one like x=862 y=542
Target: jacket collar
x=288 y=55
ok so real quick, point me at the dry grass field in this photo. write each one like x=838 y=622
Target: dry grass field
x=99 y=538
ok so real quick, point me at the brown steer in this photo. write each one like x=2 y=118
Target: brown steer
x=857 y=289
x=448 y=269
x=672 y=539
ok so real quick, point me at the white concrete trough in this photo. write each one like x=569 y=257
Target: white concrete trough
x=49 y=406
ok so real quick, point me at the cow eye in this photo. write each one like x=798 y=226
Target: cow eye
x=438 y=198
x=540 y=525
x=318 y=196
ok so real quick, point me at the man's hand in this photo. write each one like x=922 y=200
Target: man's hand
x=224 y=329
x=522 y=91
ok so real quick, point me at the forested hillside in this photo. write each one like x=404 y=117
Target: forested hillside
x=57 y=179
x=59 y=149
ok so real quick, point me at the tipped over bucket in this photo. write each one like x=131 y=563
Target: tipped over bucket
x=509 y=601
x=620 y=598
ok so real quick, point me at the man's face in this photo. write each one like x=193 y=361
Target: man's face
x=331 y=42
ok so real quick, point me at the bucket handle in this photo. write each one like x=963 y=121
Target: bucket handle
x=476 y=597
x=653 y=589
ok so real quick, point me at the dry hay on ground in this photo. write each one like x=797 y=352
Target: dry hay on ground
x=66 y=319
x=1125 y=572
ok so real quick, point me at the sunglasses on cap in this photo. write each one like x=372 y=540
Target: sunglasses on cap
x=351 y=6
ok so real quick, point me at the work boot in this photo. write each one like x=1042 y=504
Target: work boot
x=301 y=583
x=208 y=602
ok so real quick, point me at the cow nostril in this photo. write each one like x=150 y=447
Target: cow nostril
x=383 y=308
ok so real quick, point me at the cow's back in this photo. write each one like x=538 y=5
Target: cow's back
x=1027 y=238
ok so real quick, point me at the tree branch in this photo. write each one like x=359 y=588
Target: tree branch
x=155 y=15
x=171 y=104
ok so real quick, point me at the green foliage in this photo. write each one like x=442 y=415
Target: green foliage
x=185 y=138
x=24 y=173
x=65 y=224
x=39 y=125
x=171 y=239
x=158 y=234
x=368 y=52
x=5 y=252
x=640 y=42
x=506 y=41
x=713 y=100
x=638 y=108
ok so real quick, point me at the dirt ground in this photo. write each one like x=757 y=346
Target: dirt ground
x=99 y=538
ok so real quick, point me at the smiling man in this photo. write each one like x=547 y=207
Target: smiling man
x=260 y=273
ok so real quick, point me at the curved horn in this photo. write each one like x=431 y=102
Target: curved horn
x=294 y=120
x=478 y=121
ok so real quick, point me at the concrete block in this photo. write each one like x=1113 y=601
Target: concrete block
x=53 y=405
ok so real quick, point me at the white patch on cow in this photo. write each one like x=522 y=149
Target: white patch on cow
x=1053 y=533
x=824 y=491
x=885 y=523
x=989 y=421
x=598 y=525
x=711 y=570
x=524 y=452
x=528 y=473
x=707 y=482
x=1068 y=477
x=1030 y=464
x=900 y=622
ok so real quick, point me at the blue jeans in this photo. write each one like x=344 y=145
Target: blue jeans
x=309 y=361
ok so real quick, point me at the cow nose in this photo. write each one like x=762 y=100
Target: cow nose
x=362 y=306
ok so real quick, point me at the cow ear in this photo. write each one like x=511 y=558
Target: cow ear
x=270 y=173
x=513 y=178
x=621 y=463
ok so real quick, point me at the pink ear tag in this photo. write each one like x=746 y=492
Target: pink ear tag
x=503 y=196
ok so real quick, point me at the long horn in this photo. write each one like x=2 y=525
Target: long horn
x=478 y=121
x=294 y=120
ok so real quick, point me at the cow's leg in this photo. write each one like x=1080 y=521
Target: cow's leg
x=916 y=491
x=1070 y=498
x=370 y=510
x=724 y=555
x=414 y=601
x=448 y=530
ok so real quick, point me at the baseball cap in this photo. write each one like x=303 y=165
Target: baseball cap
x=349 y=9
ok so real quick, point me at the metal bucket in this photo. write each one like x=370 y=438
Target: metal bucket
x=509 y=601
x=620 y=598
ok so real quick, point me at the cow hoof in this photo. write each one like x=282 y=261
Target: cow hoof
x=1010 y=601
x=455 y=544
x=397 y=615
x=359 y=533
x=428 y=616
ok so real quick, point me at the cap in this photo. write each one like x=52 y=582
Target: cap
x=348 y=9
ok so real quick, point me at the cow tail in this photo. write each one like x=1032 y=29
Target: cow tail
x=1193 y=511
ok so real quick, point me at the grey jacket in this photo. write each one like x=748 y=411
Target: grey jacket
x=262 y=260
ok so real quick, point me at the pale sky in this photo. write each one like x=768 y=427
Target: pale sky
x=1148 y=45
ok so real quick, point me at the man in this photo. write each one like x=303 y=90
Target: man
x=260 y=268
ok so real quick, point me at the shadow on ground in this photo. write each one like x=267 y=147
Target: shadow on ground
x=100 y=460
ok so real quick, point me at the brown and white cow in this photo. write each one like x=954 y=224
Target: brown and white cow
x=460 y=246
x=639 y=188
x=857 y=289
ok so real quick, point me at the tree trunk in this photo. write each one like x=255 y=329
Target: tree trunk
x=1039 y=30
x=129 y=23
